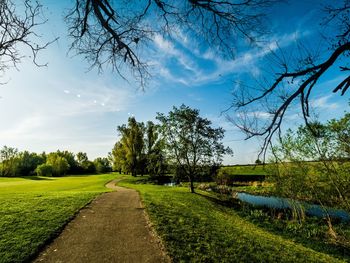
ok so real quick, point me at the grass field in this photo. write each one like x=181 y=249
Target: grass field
x=196 y=229
x=33 y=210
x=247 y=169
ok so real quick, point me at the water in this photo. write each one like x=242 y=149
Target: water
x=285 y=203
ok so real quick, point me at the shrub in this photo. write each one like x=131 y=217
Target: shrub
x=44 y=170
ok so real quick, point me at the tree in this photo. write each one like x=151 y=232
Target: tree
x=59 y=164
x=83 y=163
x=191 y=141
x=102 y=165
x=311 y=165
x=119 y=161
x=154 y=152
x=17 y=30
x=296 y=78
x=27 y=162
x=9 y=161
x=70 y=158
x=44 y=170
x=114 y=33
x=132 y=144
x=340 y=130
x=106 y=34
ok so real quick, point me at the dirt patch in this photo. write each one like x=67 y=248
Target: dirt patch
x=112 y=228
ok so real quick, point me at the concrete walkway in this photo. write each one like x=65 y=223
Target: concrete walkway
x=113 y=228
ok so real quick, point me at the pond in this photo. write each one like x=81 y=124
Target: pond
x=285 y=203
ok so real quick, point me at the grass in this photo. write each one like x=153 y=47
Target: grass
x=197 y=229
x=33 y=210
x=247 y=169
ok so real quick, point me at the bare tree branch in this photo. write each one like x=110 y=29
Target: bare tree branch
x=111 y=33
x=17 y=29
x=298 y=82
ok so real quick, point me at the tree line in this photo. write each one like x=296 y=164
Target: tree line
x=182 y=143
x=59 y=163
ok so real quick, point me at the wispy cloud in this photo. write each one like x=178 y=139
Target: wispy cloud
x=324 y=103
x=190 y=71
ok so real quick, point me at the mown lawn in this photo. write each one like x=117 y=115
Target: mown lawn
x=196 y=229
x=33 y=210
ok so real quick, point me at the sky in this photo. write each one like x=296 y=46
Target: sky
x=64 y=106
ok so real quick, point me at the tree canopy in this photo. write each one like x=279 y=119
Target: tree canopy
x=191 y=142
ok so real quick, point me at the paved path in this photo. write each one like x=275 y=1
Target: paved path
x=113 y=228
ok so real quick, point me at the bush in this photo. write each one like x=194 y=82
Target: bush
x=44 y=170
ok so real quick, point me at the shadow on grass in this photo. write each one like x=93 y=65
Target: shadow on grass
x=37 y=178
x=232 y=203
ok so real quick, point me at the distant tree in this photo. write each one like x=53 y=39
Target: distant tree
x=70 y=157
x=44 y=170
x=325 y=179
x=83 y=163
x=132 y=143
x=119 y=161
x=102 y=165
x=191 y=141
x=9 y=161
x=27 y=162
x=340 y=131
x=60 y=165
x=82 y=158
x=154 y=150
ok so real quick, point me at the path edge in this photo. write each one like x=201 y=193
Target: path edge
x=59 y=231
x=151 y=226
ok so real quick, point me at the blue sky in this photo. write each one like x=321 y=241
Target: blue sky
x=63 y=106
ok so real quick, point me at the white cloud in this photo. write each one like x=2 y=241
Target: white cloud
x=245 y=62
x=324 y=103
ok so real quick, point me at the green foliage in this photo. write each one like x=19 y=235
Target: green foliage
x=73 y=167
x=33 y=210
x=9 y=161
x=326 y=181
x=140 y=149
x=102 y=165
x=196 y=229
x=131 y=146
x=27 y=163
x=154 y=154
x=191 y=142
x=58 y=163
x=44 y=170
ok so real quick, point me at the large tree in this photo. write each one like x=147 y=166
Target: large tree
x=191 y=141
x=154 y=150
x=132 y=144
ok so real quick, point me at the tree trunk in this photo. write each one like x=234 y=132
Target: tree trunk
x=191 y=184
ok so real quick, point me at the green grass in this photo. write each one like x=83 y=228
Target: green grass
x=34 y=210
x=196 y=229
x=247 y=169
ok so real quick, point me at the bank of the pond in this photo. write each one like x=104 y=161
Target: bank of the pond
x=301 y=207
x=195 y=228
